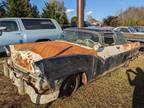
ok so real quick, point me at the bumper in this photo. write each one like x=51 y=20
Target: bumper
x=24 y=88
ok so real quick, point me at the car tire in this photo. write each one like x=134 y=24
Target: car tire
x=70 y=86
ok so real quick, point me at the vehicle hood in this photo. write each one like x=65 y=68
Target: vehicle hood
x=54 y=49
x=24 y=55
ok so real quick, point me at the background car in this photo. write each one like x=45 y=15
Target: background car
x=125 y=29
x=26 y=30
x=139 y=28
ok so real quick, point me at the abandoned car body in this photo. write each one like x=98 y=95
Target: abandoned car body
x=48 y=70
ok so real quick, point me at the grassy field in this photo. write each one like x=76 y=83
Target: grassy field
x=118 y=89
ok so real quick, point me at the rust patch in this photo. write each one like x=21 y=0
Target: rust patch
x=135 y=45
x=54 y=48
x=126 y=46
x=24 y=62
x=131 y=45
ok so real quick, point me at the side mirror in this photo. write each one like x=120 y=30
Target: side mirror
x=1 y=30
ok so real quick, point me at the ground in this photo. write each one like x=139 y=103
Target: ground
x=118 y=89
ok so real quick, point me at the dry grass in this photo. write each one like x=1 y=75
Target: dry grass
x=110 y=91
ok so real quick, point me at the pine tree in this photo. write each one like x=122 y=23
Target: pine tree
x=55 y=10
x=2 y=9
x=18 y=8
x=34 y=12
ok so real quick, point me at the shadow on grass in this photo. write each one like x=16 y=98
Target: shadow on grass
x=138 y=83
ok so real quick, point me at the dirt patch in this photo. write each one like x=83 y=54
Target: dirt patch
x=111 y=91
x=9 y=97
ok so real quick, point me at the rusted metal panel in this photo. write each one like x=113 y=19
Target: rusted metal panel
x=25 y=58
x=54 y=49
x=130 y=46
x=24 y=62
x=60 y=48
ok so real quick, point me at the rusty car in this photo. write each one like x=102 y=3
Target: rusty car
x=48 y=70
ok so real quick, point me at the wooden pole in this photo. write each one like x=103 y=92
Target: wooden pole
x=80 y=13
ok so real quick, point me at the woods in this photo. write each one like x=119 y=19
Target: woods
x=133 y=16
x=23 y=8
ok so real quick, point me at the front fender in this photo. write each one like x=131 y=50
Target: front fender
x=61 y=67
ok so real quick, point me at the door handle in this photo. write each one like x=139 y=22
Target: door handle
x=18 y=33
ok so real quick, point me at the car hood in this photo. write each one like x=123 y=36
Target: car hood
x=24 y=55
x=54 y=49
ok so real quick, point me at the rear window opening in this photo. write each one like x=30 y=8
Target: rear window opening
x=35 y=24
x=108 y=38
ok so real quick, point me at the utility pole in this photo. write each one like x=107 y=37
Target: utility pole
x=80 y=13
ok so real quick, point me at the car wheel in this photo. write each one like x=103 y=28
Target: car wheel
x=70 y=86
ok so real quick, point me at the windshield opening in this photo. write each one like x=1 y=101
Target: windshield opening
x=83 y=38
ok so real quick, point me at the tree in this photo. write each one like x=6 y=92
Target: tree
x=34 y=12
x=74 y=21
x=2 y=9
x=55 y=10
x=18 y=8
x=112 y=21
x=132 y=16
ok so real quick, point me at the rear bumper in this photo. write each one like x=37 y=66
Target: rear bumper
x=24 y=88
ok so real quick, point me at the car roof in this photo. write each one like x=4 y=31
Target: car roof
x=90 y=30
x=16 y=18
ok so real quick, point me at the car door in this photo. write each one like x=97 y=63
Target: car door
x=11 y=35
x=109 y=52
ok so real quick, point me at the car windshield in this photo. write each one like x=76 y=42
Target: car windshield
x=139 y=29
x=84 y=38
x=132 y=30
